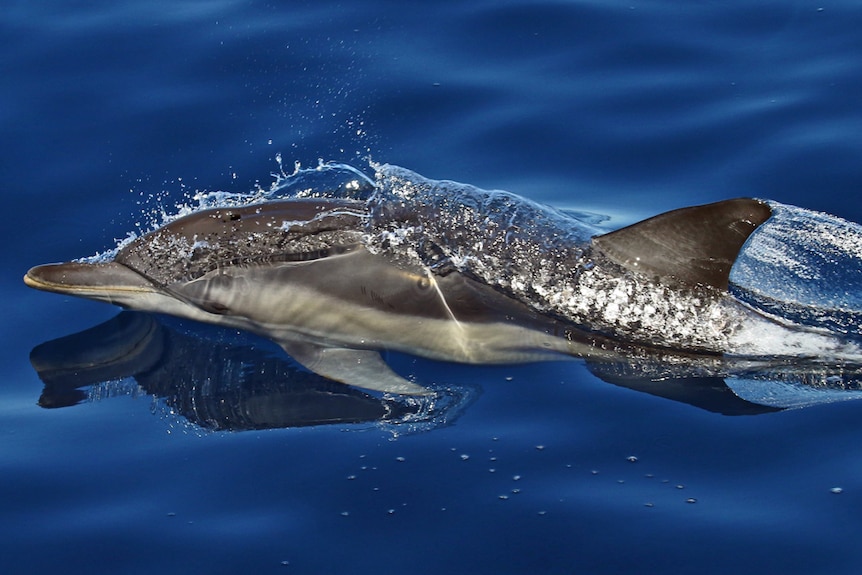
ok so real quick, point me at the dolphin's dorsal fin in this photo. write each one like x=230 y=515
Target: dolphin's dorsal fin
x=695 y=245
x=358 y=367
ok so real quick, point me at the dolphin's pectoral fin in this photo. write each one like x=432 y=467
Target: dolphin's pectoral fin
x=357 y=367
x=696 y=245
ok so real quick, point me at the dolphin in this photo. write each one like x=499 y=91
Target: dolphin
x=302 y=272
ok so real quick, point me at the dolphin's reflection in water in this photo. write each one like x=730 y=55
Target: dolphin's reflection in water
x=222 y=380
x=734 y=386
x=218 y=379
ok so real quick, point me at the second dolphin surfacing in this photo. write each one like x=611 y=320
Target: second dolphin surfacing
x=449 y=272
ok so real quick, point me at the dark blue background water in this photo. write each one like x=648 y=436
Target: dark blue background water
x=624 y=108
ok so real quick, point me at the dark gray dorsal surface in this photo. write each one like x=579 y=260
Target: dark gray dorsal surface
x=290 y=230
x=695 y=245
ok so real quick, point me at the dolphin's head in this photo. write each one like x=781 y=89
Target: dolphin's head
x=159 y=270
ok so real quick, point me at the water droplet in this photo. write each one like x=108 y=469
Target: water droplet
x=345 y=513
x=464 y=457
x=649 y=504
x=836 y=490
x=351 y=477
x=516 y=478
x=503 y=497
x=680 y=486
x=632 y=459
x=540 y=447
x=691 y=500
x=390 y=511
x=400 y=459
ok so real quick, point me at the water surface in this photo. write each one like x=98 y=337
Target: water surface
x=113 y=110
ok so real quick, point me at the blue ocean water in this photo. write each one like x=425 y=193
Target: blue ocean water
x=113 y=110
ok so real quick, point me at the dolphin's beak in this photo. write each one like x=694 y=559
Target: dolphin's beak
x=95 y=281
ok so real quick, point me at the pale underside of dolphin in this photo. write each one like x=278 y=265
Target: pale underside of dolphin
x=298 y=271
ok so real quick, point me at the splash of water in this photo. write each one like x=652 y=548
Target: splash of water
x=326 y=180
x=803 y=266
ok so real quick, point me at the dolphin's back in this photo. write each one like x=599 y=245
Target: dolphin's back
x=196 y=244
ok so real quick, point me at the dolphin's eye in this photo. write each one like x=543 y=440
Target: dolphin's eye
x=215 y=307
x=216 y=287
x=423 y=283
